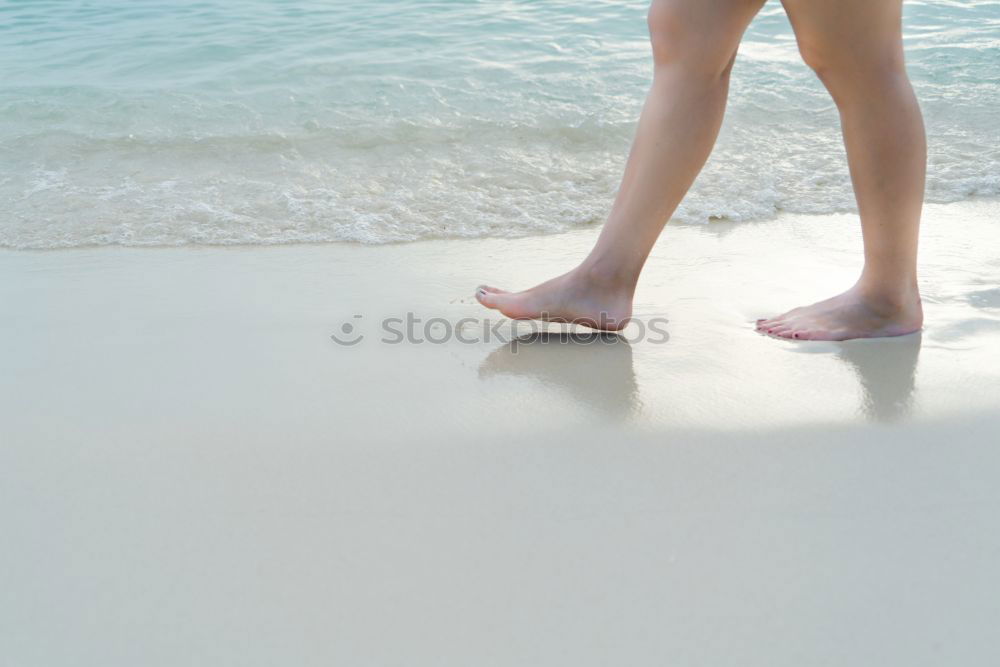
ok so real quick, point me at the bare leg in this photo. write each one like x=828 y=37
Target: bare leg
x=694 y=44
x=856 y=48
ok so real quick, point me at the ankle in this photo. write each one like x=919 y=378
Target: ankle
x=889 y=295
x=607 y=275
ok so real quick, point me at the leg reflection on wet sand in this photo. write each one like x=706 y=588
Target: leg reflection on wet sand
x=596 y=370
x=593 y=368
x=886 y=369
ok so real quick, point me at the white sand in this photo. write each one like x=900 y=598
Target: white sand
x=193 y=472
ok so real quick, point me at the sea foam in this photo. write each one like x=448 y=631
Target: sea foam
x=204 y=123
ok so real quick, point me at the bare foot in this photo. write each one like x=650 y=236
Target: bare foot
x=846 y=316
x=578 y=297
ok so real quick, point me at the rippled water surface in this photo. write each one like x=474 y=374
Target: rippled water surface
x=250 y=121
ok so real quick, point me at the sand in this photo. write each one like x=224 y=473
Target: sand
x=194 y=472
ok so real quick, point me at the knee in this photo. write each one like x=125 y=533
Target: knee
x=842 y=67
x=680 y=40
x=821 y=56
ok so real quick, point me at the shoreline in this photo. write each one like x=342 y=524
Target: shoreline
x=974 y=201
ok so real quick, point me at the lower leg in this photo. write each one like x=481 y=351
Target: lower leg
x=694 y=44
x=886 y=150
x=674 y=137
x=856 y=48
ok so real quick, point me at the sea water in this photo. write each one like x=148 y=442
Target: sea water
x=148 y=122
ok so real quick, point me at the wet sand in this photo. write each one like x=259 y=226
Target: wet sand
x=195 y=472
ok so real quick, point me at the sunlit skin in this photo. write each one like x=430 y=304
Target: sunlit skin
x=855 y=47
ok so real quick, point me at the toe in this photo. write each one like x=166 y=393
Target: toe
x=510 y=305
x=486 y=297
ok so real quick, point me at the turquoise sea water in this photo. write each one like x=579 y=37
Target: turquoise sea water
x=268 y=121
